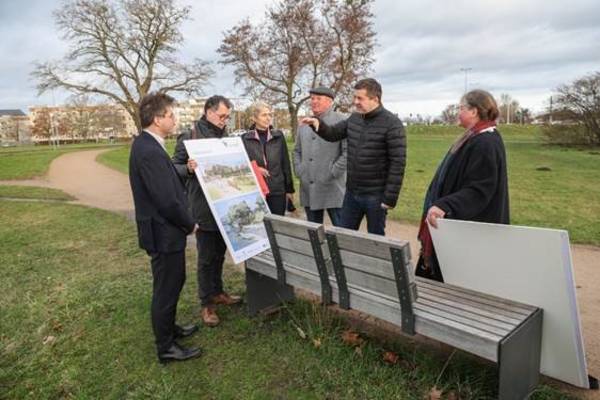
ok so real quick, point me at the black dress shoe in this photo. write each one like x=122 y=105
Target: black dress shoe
x=178 y=353
x=185 y=331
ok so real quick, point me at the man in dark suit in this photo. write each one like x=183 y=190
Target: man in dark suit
x=163 y=222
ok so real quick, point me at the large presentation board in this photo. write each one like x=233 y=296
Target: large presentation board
x=232 y=193
x=529 y=265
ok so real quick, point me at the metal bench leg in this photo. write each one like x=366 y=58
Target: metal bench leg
x=263 y=292
x=519 y=360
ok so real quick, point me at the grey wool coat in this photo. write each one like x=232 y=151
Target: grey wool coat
x=320 y=166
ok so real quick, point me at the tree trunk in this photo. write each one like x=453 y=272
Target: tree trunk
x=293 y=119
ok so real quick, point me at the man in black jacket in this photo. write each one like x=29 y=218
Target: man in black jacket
x=163 y=222
x=209 y=242
x=376 y=157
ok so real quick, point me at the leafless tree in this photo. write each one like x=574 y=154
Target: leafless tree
x=302 y=44
x=508 y=108
x=42 y=124
x=121 y=50
x=450 y=114
x=581 y=99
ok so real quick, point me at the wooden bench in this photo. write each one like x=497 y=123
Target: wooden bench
x=373 y=274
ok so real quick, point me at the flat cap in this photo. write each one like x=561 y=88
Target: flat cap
x=322 y=91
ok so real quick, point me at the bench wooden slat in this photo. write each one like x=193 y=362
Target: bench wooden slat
x=472 y=306
x=509 y=305
x=471 y=339
x=371 y=282
x=434 y=309
x=368 y=264
x=480 y=330
x=298 y=245
x=298 y=228
x=453 y=334
x=466 y=317
x=365 y=243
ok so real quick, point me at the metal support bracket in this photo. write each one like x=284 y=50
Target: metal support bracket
x=275 y=251
x=316 y=244
x=338 y=269
x=405 y=292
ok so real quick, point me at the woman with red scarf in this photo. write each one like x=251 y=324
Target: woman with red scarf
x=471 y=182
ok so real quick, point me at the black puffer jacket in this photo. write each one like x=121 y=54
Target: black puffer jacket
x=376 y=152
x=200 y=209
x=274 y=157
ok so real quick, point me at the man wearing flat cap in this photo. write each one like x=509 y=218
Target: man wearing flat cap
x=321 y=165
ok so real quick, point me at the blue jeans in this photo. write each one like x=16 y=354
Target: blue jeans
x=356 y=206
x=317 y=215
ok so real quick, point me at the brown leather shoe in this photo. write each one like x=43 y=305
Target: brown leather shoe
x=226 y=299
x=209 y=316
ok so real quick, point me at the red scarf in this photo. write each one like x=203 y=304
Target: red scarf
x=424 y=235
x=469 y=133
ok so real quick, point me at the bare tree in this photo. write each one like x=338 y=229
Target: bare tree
x=121 y=50
x=581 y=100
x=41 y=125
x=508 y=108
x=450 y=114
x=302 y=44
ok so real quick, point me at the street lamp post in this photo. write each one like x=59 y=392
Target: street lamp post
x=466 y=71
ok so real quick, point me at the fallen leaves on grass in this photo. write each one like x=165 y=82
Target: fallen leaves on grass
x=301 y=332
x=49 y=340
x=452 y=395
x=358 y=351
x=352 y=338
x=390 y=357
x=434 y=394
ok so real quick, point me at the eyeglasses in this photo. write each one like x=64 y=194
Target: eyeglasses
x=171 y=116
x=224 y=117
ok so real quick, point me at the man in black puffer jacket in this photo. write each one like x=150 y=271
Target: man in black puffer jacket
x=376 y=157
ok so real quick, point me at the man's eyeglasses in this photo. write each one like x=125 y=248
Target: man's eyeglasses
x=169 y=115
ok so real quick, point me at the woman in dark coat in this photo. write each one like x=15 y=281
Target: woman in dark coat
x=268 y=148
x=471 y=182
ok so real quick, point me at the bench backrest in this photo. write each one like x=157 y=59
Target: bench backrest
x=373 y=264
x=300 y=246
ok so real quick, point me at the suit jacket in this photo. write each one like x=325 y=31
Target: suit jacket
x=161 y=207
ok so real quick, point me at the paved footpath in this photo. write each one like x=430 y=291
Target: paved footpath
x=96 y=185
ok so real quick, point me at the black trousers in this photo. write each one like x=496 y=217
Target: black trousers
x=277 y=203
x=168 y=273
x=211 y=256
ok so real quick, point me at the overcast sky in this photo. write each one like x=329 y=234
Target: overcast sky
x=523 y=48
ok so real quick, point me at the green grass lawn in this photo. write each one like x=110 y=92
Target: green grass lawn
x=74 y=318
x=32 y=192
x=30 y=161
